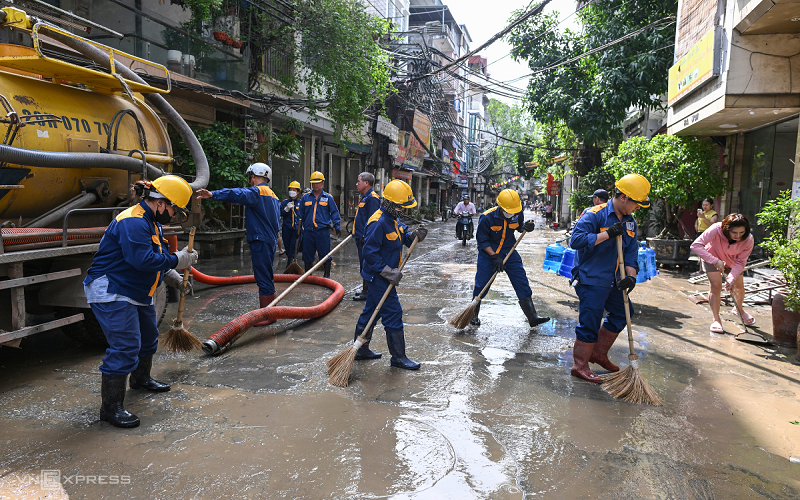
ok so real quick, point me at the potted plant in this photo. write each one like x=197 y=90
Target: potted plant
x=680 y=170
x=293 y=126
x=286 y=146
x=781 y=219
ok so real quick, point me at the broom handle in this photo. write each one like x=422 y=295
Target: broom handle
x=296 y=243
x=480 y=295
x=625 y=293
x=386 y=293
x=179 y=318
x=316 y=266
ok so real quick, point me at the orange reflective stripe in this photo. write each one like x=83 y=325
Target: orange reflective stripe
x=158 y=274
x=314 y=218
x=397 y=229
x=502 y=238
x=353 y=232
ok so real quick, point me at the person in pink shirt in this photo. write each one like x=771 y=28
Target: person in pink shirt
x=724 y=248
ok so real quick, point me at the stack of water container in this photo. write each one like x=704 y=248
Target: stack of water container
x=647 y=264
x=560 y=260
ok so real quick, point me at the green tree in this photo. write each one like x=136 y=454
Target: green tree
x=680 y=170
x=777 y=216
x=592 y=94
x=512 y=122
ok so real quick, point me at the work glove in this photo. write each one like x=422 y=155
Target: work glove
x=287 y=208
x=497 y=261
x=627 y=284
x=186 y=259
x=393 y=276
x=617 y=229
x=338 y=231
x=174 y=279
x=420 y=233
x=529 y=226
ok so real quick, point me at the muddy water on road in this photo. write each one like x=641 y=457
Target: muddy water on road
x=493 y=413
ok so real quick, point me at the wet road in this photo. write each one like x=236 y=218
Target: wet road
x=492 y=414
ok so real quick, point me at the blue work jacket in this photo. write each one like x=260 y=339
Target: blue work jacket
x=291 y=219
x=319 y=213
x=383 y=244
x=496 y=231
x=598 y=264
x=367 y=205
x=133 y=254
x=261 y=217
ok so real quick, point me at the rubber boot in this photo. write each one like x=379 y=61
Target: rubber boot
x=605 y=339
x=364 y=351
x=396 y=342
x=530 y=312
x=581 y=354
x=475 y=320
x=141 y=379
x=326 y=268
x=112 y=391
x=308 y=265
x=264 y=301
x=362 y=295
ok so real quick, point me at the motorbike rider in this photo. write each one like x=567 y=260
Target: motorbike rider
x=466 y=206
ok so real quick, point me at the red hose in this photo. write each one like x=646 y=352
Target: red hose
x=228 y=334
x=57 y=235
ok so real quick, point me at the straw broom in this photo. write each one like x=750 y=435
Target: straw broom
x=462 y=319
x=340 y=366
x=294 y=267
x=629 y=383
x=178 y=338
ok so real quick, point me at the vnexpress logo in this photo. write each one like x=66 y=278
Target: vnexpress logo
x=50 y=480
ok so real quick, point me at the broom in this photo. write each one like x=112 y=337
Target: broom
x=294 y=267
x=462 y=319
x=340 y=366
x=629 y=383
x=178 y=338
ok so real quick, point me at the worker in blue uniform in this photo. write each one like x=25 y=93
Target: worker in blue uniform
x=368 y=203
x=495 y=237
x=131 y=262
x=262 y=221
x=383 y=248
x=598 y=285
x=319 y=214
x=290 y=214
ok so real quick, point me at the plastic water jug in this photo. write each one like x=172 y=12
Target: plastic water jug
x=643 y=274
x=567 y=263
x=552 y=257
x=652 y=266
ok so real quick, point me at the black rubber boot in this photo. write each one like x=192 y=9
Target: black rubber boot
x=475 y=320
x=112 y=390
x=364 y=352
x=326 y=268
x=141 y=379
x=530 y=313
x=397 y=347
x=308 y=265
x=362 y=295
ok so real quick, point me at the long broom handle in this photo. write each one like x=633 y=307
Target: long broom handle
x=296 y=243
x=386 y=293
x=625 y=293
x=480 y=295
x=186 y=272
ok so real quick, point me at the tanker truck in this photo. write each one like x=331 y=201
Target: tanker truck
x=81 y=126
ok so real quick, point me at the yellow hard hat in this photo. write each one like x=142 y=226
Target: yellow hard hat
x=508 y=199
x=399 y=193
x=317 y=177
x=635 y=187
x=173 y=188
x=294 y=185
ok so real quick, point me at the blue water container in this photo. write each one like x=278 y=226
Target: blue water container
x=552 y=257
x=652 y=266
x=643 y=274
x=567 y=262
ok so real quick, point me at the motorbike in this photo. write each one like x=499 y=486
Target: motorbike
x=464 y=227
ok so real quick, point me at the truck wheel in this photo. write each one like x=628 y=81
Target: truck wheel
x=89 y=332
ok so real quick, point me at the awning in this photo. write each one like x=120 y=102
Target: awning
x=358 y=148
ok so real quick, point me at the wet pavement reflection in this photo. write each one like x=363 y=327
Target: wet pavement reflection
x=492 y=414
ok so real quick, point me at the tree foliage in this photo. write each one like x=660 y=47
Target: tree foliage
x=514 y=123
x=777 y=216
x=592 y=95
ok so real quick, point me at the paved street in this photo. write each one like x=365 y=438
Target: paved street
x=492 y=414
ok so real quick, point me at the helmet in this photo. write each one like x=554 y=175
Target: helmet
x=635 y=187
x=294 y=185
x=306 y=190
x=317 y=177
x=260 y=169
x=175 y=189
x=508 y=199
x=399 y=193
x=465 y=197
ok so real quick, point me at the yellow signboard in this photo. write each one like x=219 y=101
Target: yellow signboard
x=696 y=67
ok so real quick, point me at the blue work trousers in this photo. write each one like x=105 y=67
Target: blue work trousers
x=316 y=242
x=514 y=270
x=391 y=314
x=289 y=241
x=263 y=254
x=131 y=332
x=360 y=246
x=593 y=300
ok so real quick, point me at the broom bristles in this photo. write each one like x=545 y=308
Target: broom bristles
x=179 y=339
x=462 y=319
x=340 y=366
x=293 y=268
x=630 y=385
